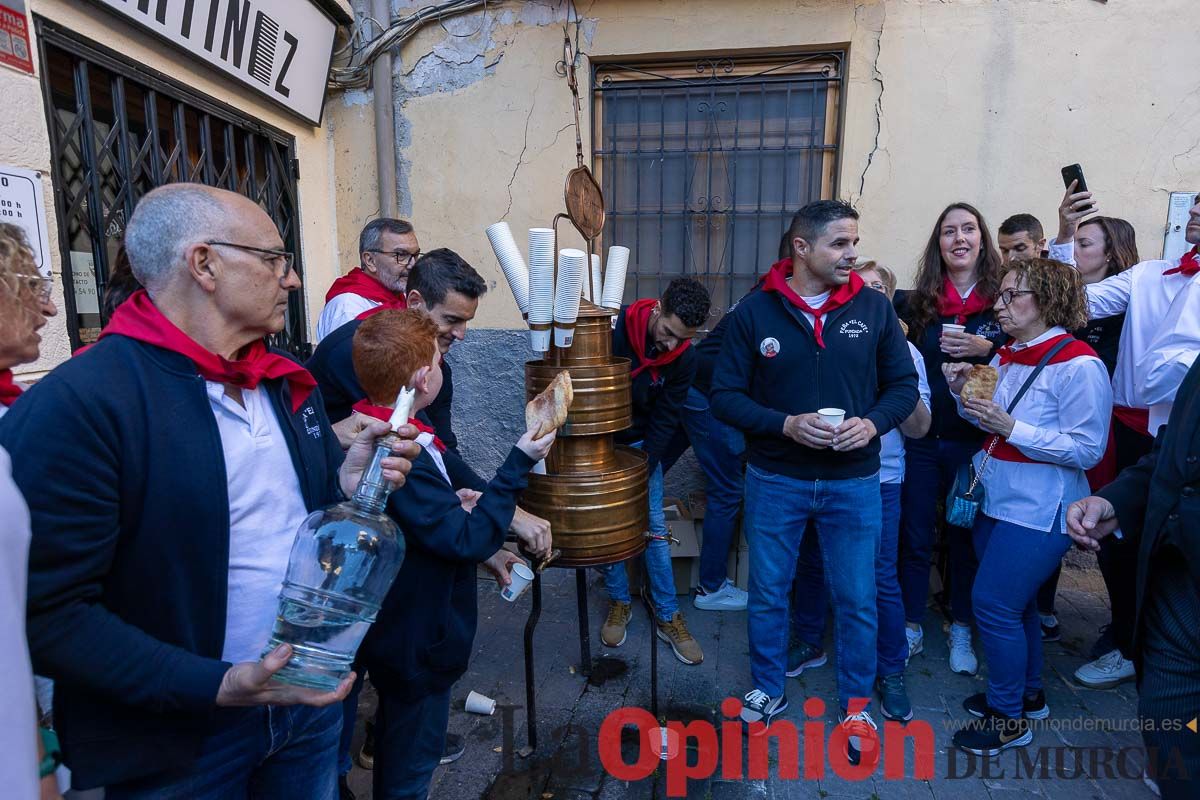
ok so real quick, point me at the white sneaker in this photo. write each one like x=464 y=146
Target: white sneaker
x=1111 y=669
x=760 y=707
x=863 y=734
x=727 y=598
x=916 y=641
x=962 y=654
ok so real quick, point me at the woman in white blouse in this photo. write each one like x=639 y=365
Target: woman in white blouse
x=1031 y=467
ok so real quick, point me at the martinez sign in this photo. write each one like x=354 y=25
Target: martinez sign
x=280 y=48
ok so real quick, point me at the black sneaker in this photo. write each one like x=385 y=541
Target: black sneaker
x=366 y=755
x=1034 y=706
x=1050 y=630
x=804 y=656
x=761 y=707
x=344 y=792
x=454 y=749
x=993 y=734
x=863 y=736
x=893 y=698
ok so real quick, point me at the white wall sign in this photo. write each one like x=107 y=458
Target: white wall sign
x=281 y=48
x=83 y=280
x=22 y=203
x=1174 y=245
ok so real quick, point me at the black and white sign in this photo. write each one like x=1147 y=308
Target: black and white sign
x=281 y=48
x=22 y=204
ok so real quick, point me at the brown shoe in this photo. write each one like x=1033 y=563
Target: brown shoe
x=612 y=633
x=675 y=633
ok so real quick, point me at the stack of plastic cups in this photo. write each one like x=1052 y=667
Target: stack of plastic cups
x=513 y=264
x=614 y=277
x=541 y=287
x=572 y=266
x=594 y=284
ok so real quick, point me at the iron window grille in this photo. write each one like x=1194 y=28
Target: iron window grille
x=703 y=162
x=118 y=130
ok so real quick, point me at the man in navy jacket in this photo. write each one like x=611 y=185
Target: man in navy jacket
x=812 y=340
x=167 y=469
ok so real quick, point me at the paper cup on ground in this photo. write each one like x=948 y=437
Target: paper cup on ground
x=832 y=416
x=614 y=277
x=511 y=262
x=948 y=327
x=521 y=576
x=572 y=267
x=666 y=742
x=480 y=704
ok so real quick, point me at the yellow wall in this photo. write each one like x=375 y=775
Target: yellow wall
x=24 y=142
x=983 y=100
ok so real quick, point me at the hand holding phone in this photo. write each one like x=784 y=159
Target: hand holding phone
x=1076 y=204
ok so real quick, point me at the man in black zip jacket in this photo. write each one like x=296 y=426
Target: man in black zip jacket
x=812 y=340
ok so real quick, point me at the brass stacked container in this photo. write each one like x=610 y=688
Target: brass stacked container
x=594 y=491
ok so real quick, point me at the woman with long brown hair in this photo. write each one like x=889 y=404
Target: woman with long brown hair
x=950 y=318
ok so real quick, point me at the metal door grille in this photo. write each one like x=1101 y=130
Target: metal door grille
x=116 y=132
x=704 y=162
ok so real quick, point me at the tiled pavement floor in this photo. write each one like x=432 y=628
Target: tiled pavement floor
x=569 y=704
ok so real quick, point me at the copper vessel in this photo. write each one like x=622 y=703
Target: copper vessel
x=594 y=492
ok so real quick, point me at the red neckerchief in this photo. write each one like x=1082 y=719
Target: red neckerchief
x=777 y=281
x=9 y=391
x=637 y=327
x=1137 y=419
x=1031 y=357
x=384 y=413
x=138 y=318
x=951 y=303
x=358 y=282
x=1188 y=265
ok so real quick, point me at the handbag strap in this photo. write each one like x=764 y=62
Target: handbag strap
x=1051 y=353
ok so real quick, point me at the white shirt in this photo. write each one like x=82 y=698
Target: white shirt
x=1146 y=296
x=891 y=445
x=18 y=714
x=266 y=508
x=1062 y=422
x=340 y=310
x=816 y=301
x=426 y=441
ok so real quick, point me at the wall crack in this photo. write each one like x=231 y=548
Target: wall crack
x=520 y=160
x=877 y=77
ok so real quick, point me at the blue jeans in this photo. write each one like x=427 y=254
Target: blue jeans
x=264 y=752
x=929 y=468
x=809 y=600
x=658 y=559
x=1014 y=561
x=718 y=449
x=847 y=517
x=410 y=736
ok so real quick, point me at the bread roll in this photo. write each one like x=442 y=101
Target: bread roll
x=548 y=411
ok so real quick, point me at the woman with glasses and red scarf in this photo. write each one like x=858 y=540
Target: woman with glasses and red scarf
x=950 y=318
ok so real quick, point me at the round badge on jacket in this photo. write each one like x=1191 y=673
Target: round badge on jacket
x=769 y=347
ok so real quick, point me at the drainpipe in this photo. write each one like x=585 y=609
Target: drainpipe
x=385 y=121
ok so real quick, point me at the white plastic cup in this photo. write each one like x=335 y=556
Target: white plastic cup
x=521 y=576
x=950 y=327
x=832 y=416
x=592 y=288
x=666 y=741
x=480 y=704
x=572 y=266
x=614 y=277
x=539 y=341
x=516 y=271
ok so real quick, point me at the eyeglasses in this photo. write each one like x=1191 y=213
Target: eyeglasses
x=403 y=259
x=878 y=286
x=1008 y=295
x=272 y=257
x=39 y=286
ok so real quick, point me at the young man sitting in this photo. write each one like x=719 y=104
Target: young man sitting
x=421 y=641
x=656 y=335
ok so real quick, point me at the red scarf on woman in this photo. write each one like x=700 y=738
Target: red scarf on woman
x=138 y=318
x=358 y=282
x=9 y=391
x=951 y=303
x=637 y=328
x=384 y=413
x=777 y=281
x=1188 y=265
x=1031 y=357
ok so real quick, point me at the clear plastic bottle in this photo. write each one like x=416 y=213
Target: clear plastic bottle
x=342 y=564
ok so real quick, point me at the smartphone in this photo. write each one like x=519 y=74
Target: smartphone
x=1074 y=173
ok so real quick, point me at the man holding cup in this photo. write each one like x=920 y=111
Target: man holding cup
x=809 y=349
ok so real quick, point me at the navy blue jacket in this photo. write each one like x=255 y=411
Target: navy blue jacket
x=709 y=348
x=119 y=457
x=656 y=404
x=946 y=423
x=865 y=368
x=333 y=366
x=422 y=639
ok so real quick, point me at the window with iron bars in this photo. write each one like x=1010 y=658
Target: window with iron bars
x=704 y=162
x=118 y=130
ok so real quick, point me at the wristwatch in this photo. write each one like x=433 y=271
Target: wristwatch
x=53 y=756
